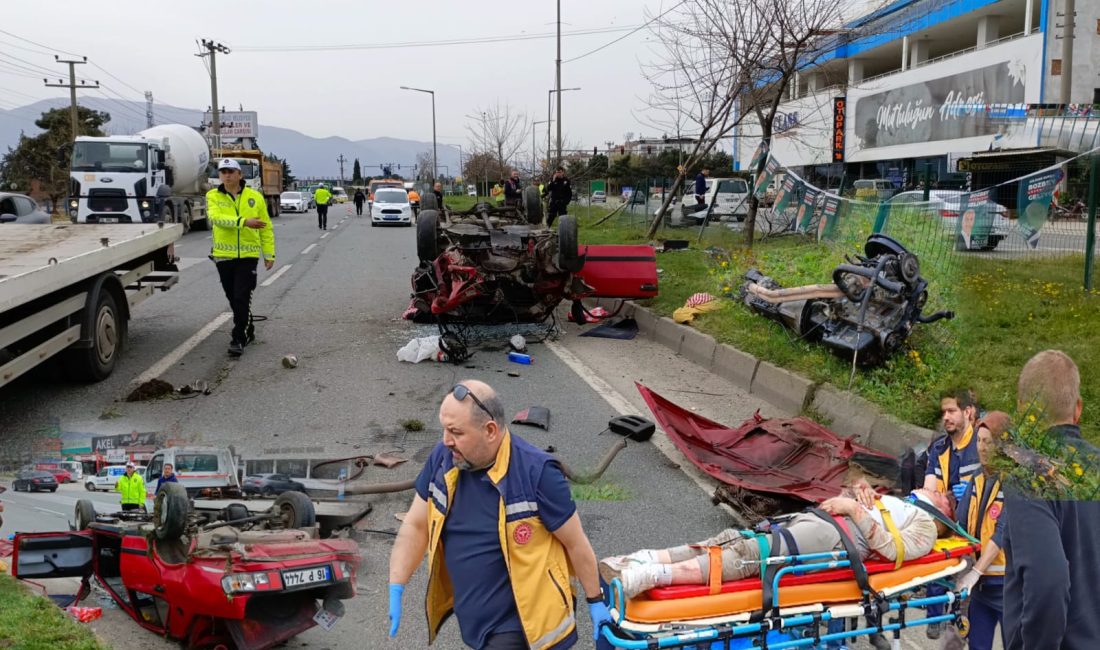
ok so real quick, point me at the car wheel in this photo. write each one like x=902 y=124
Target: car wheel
x=89 y=486
x=427 y=202
x=427 y=236
x=569 y=256
x=53 y=489
x=267 y=491
x=170 y=510
x=532 y=204
x=84 y=513
x=296 y=509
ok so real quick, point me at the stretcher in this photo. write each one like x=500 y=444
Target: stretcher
x=788 y=605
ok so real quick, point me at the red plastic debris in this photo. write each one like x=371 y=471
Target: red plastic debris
x=85 y=614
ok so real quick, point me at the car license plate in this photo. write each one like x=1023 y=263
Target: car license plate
x=108 y=220
x=307 y=576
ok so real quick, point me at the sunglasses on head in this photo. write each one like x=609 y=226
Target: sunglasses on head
x=460 y=391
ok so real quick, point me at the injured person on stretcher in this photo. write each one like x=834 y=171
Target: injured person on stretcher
x=894 y=528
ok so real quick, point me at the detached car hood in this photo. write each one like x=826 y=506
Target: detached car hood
x=793 y=457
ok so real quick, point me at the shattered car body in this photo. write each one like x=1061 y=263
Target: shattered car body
x=868 y=311
x=238 y=581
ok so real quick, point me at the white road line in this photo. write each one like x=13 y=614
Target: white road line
x=52 y=512
x=170 y=359
x=624 y=407
x=276 y=275
x=324 y=235
x=308 y=249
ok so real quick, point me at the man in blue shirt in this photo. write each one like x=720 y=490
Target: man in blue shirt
x=506 y=582
x=169 y=476
x=1052 y=548
x=701 y=187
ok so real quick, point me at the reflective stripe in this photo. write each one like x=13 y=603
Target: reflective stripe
x=970 y=469
x=434 y=490
x=521 y=507
x=548 y=638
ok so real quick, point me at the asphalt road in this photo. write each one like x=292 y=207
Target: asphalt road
x=334 y=300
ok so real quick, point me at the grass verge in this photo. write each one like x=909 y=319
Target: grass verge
x=30 y=622
x=600 y=491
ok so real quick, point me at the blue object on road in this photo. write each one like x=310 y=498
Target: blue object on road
x=519 y=357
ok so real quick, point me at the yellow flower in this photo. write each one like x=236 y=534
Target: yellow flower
x=725 y=264
x=1031 y=419
x=1077 y=469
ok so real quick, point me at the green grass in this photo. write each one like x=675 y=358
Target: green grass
x=1006 y=311
x=33 y=623
x=600 y=491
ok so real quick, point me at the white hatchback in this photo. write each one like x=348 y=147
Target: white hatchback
x=293 y=202
x=391 y=207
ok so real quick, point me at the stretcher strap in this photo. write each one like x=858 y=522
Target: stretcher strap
x=854 y=560
x=953 y=526
x=792 y=546
x=715 y=553
x=892 y=528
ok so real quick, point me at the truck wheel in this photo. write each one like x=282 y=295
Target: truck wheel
x=107 y=329
x=296 y=509
x=569 y=256
x=427 y=236
x=427 y=202
x=85 y=513
x=170 y=510
x=185 y=219
x=532 y=204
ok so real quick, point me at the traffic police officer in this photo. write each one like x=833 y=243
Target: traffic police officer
x=242 y=232
x=323 y=197
x=131 y=486
x=561 y=193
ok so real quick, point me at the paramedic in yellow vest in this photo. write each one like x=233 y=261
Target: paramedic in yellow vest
x=981 y=511
x=132 y=488
x=242 y=233
x=952 y=462
x=502 y=536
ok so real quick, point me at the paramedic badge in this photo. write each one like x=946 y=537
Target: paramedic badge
x=251 y=203
x=994 y=511
x=522 y=534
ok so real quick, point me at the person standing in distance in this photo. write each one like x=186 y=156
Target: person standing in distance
x=437 y=189
x=359 y=200
x=323 y=197
x=503 y=539
x=561 y=193
x=513 y=190
x=131 y=488
x=242 y=233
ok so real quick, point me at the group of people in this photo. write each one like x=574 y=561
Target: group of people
x=494 y=516
x=131 y=485
x=558 y=193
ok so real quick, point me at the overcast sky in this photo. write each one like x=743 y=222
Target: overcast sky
x=352 y=93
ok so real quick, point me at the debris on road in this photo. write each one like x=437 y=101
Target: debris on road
x=388 y=460
x=197 y=386
x=594 y=315
x=623 y=330
x=85 y=614
x=698 y=303
x=290 y=361
x=517 y=357
x=537 y=416
x=513 y=373
x=421 y=349
x=412 y=425
x=150 y=390
x=518 y=343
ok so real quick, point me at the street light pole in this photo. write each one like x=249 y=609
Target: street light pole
x=557 y=83
x=534 y=153
x=435 y=152
x=550 y=94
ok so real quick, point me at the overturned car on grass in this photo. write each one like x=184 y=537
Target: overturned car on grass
x=206 y=579
x=493 y=265
x=867 y=312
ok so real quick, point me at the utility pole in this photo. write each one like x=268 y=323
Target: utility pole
x=148 y=109
x=212 y=49
x=341 y=160
x=557 y=84
x=74 y=119
x=1068 y=19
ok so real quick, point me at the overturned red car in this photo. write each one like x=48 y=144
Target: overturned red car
x=232 y=580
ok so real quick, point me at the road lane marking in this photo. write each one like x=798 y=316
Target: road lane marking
x=308 y=249
x=324 y=235
x=616 y=400
x=52 y=512
x=275 y=276
x=170 y=359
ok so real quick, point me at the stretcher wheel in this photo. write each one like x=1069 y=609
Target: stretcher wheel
x=963 y=623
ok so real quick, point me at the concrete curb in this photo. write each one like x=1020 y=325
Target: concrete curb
x=845 y=413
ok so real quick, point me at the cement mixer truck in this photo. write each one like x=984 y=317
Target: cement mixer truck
x=160 y=174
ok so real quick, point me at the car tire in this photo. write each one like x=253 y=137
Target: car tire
x=53 y=489
x=427 y=236
x=296 y=509
x=171 y=508
x=84 y=514
x=267 y=491
x=532 y=205
x=428 y=202
x=569 y=255
x=89 y=486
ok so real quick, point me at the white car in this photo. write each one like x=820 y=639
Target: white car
x=599 y=196
x=106 y=478
x=947 y=204
x=293 y=202
x=391 y=206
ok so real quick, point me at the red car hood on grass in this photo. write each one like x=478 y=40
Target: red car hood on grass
x=793 y=457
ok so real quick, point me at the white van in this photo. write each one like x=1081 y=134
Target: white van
x=730 y=198
x=195 y=467
x=106 y=478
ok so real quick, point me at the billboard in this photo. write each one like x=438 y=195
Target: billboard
x=235 y=124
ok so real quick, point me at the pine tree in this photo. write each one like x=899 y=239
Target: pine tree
x=356 y=174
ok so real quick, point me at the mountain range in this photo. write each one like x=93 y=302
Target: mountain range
x=307 y=156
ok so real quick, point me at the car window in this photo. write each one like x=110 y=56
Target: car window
x=102 y=473
x=734 y=186
x=293 y=196
x=391 y=196
x=155 y=467
x=277 y=477
x=7 y=206
x=197 y=463
x=24 y=205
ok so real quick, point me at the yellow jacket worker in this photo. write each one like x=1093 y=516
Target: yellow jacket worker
x=242 y=233
x=132 y=488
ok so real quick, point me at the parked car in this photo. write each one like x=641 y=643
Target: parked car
x=62 y=474
x=985 y=233
x=308 y=195
x=222 y=579
x=730 y=198
x=20 y=208
x=106 y=478
x=270 y=484
x=599 y=196
x=339 y=195
x=391 y=206
x=293 y=202
x=873 y=189
x=33 y=480
x=471 y=190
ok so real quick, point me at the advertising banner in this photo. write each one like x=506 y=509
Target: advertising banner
x=235 y=124
x=788 y=192
x=1033 y=203
x=131 y=441
x=765 y=178
x=830 y=215
x=806 y=209
x=840 y=107
x=975 y=219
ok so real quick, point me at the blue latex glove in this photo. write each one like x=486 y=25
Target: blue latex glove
x=396 y=591
x=959 y=488
x=600 y=615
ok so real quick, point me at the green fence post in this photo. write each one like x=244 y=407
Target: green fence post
x=880 y=217
x=1090 y=233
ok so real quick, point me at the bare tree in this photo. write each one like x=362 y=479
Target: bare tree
x=720 y=60
x=499 y=130
x=424 y=165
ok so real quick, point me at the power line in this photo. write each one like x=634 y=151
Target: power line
x=47 y=47
x=32 y=64
x=414 y=44
x=628 y=34
x=101 y=69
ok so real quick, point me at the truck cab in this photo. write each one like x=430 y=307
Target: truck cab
x=114 y=179
x=196 y=468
